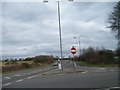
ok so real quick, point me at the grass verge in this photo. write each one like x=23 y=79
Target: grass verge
x=12 y=70
x=96 y=65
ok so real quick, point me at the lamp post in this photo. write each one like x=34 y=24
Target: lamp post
x=59 y=25
x=80 y=46
x=80 y=51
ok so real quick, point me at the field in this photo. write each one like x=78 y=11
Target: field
x=18 y=65
x=0 y=64
x=17 y=62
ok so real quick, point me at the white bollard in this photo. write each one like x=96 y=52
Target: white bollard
x=59 y=66
x=75 y=64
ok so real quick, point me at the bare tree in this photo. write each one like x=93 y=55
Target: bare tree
x=114 y=21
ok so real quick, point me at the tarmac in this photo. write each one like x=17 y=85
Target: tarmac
x=64 y=71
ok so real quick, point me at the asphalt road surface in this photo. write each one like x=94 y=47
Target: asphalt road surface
x=92 y=77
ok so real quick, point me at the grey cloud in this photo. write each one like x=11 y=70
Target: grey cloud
x=31 y=29
x=88 y=11
x=27 y=12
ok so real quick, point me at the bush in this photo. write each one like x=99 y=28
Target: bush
x=13 y=65
x=43 y=59
x=96 y=56
x=7 y=63
x=25 y=65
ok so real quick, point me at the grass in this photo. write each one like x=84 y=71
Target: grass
x=24 y=69
x=96 y=65
x=0 y=63
x=18 y=62
x=20 y=66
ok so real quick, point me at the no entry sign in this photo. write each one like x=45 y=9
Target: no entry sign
x=73 y=50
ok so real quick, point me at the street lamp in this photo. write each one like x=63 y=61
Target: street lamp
x=80 y=46
x=59 y=24
x=70 y=0
x=80 y=51
x=45 y=1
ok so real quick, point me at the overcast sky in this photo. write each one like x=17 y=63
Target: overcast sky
x=31 y=28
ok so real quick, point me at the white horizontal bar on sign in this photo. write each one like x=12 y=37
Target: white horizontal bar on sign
x=73 y=50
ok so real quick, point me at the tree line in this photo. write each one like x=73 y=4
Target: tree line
x=30 y=62
x=98 y=56
x=37 y=59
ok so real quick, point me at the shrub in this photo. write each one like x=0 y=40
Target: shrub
x=25 y=65
x=7 y=63
x=43 y=59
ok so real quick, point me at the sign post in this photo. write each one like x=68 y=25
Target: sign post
x=73 y=51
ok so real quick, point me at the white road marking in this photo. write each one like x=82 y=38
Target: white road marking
x=33 y=76
x=19 y=80
x=32 y=72
x=6 y=84
x=23 y=74
x=27 y=73
x=7 y=77
x=113 y=88
x=60 y=74
x=29 y=77
x=112 y=70
x=102 y=68
x=17 y=75
x=39 y=70
x=85 y=72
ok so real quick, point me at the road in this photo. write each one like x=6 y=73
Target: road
x=92 y=77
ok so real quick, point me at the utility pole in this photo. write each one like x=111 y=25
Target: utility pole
x=59 y=25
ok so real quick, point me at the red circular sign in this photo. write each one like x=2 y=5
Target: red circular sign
x=73 y=50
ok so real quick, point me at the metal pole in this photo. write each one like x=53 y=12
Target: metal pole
x=118 y=38
x=73 y=63
x=60 y=33
x=80 y=48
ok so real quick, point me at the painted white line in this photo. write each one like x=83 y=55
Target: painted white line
x=19 y=80
x=27 y=73
x=112 y=70
x=29 y=77
x=102 y=68
x=113 y=88
x=85 y=72
x=39 y=70
x=33 y=76
x=17 y=75
x=6 y=84
x=32 y=72
x=60 y=74
x=7 y=77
